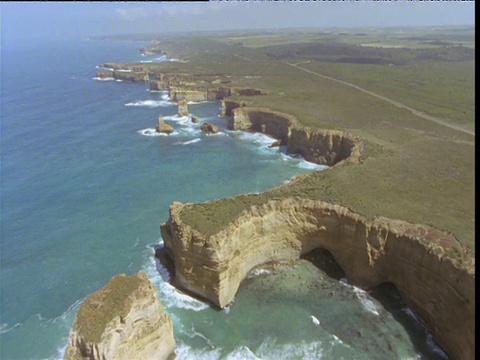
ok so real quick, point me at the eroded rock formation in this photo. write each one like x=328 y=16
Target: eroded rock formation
x=122 y=320
x=162 y=127
x=183 y=108
x=324 y=147
x=417 y=259
x=209 y=128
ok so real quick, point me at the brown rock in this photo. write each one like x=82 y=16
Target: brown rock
x=162 y=127
x=195 y=119
x=208 y=128
x=122 y=320
x=415 y=258
x=183 y=108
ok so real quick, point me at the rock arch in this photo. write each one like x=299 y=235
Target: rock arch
x=411 y=256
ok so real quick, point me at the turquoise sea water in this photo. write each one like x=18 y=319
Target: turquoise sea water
x=84 y=188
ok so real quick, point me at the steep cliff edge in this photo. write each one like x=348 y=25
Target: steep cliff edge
x=324 y=147
x=122 y=320
x=417 y=259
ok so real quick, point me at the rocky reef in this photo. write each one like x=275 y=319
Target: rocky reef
x=417 y=259
x=122 y=320
x=324 y=147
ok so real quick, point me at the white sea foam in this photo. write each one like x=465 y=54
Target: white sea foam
x=259 y=272
x=104 y=68
x=103 y=79
x=150 y=103
x=315 y=320
x=193 y=141
x=152 y=132
x=242 y=353
x=311 y=166
x=170 y=296
x=118 y=80
x=307 y=351
x=124 y=70
x=4 y=328
x=184 y=351
x=367 y=303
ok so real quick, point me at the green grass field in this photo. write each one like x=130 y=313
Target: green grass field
x=412 y=169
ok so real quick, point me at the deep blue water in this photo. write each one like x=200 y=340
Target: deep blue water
x=83 y=191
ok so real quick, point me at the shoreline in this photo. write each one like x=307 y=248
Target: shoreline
x=214 y=264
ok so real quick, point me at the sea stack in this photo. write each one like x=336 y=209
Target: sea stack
x=183 y=108
x=162 y=127
x=208 y=128
x=122 y=320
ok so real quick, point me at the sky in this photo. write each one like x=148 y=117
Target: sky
x=20 y=20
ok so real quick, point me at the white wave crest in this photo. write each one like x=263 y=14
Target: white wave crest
x=168 y=294
x=152 y=132
x=315 y=320
x=103 y=79
x=150 y=103
x=368 y=304
x=311 y=166
x=4 y=328
x=193 y=141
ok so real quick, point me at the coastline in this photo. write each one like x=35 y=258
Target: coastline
x=326 y=148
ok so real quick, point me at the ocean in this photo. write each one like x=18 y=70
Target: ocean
x=85 y=186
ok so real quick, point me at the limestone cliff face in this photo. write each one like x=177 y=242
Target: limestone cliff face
x=199 y=90
x=324 y=147
x=415 y=258
x=228 y=105
x=123 y=320
x=124 y=75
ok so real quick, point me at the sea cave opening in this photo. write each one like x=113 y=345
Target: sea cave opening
x=325 y=261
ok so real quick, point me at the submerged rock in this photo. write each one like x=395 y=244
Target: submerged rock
x=122 y=320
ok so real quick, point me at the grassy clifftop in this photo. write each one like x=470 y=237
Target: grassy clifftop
x=413 y=169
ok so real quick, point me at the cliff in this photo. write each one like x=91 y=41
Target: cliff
x=418 y=259
x=122 y=320
x=324 y=147
x=124 y=75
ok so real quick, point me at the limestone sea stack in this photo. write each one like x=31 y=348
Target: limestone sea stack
x=162 y=127
x=122 y=320
x=183 y=108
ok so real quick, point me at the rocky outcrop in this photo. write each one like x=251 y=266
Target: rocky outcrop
x=228 y=105
x=183 y=108
x=122 y=320
x=150 y=50
x=324 y=147
x=124 y=75
x=417 y=259
x=209 y=128
x=162 y=127
x=195 y=119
